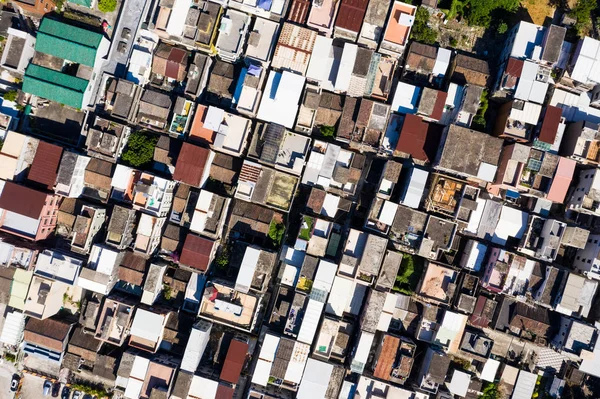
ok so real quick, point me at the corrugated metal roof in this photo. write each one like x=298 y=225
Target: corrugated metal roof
x=55 y=86
x=190 y=164
x=22 y=200
x=44 y=167
x=68 y=42
x=234 y=361
x=351 y=14
x=550 y=124
x=196 y=252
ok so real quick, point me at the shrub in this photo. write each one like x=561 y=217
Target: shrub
x=582 y=12
x=223 y=259
x=10 y=96
x=305 y=232
x=9 y=357
x=421 y=32
x=409 y=274
x=276 y=231
x=502 y=28
x=167 y=292
x=107 y=5
x=327 y=131
x=140 y=149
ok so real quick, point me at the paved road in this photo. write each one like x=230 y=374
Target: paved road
x=6 y=372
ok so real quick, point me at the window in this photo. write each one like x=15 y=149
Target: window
x=578 y=257
x=589 y=261
x=595 y=241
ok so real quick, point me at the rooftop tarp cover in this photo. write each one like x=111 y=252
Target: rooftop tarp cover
x=68 y=42
x=55 y=86
x=265 y=4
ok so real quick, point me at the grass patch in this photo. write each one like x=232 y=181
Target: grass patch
x=306 y=229
x=409 y=274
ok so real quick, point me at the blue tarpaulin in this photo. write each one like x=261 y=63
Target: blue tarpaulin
x=265 y=4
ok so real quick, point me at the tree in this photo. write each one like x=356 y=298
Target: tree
x=421 y=32
x=502 y=28
x=276 y=231
x=582 y=12
x=10 y=96
x=107 y=5
x=490 y=392
x=140 y=149
x=479 y=12
x=327 y=131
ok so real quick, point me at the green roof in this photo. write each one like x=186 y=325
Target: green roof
x=67 y=42
x=54 y=85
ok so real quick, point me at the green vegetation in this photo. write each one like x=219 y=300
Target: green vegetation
x=306 y=232
x=304 y=284
x=327 y=131
x=582 y=12
x=140 y=149
x=167 y=292
x=10 y=96
x=9 y=357
x=223 y=259
x=107 y=5
x=460 y=363
x=421 y=32
x=479 y=122
x=100 y=393
x=276 y=231
x=481 y=12
x=409 y=274
x=490 y=391
x=502 y=28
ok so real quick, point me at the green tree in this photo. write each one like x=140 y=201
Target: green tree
x=276 y=231
x=582 y=12
x=421 y=32
x=479 y=12
x=327 y=131
x=107 y=5
x=490 y=391
x=10 y=96
x=502 y=28
x=140 y=149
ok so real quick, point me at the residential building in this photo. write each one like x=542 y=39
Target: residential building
x=19 y=50
x=281 y=105
x=120 y=227
x=169 y=63
x=85 y=51
x=100 y=273
x=275 y=146
x=294 y=48
x=232 y=35
x=115 y=320
x=71 y=172
x=26 y=212
x=398 y=27
x=373 y=23
x=147 y=330
x=86 y=228
x=46 y=339
x=266 y=186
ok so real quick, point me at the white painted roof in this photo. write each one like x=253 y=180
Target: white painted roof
x=486 y=171
x=330 y=205
x=203 y=388
x=103 y=259
x=388 y=212
x=529 y=114
x=321 y=60
x=587 y=62
x=139 y=368
x=460 y=383
x=12 y=331
x=177 y=18
x=513 y=223
x=325 y=275
x=281 y=97
x=147 y=325
x=346 y=296
x=58 y=266
x=362 y=352
x=525 y=385
x=214 y=118
x=122 y=176
x=344 y=73
x=315 y=380
x=415 y=189
x=195 y=349
x=406 y=98
x=490 y=369
x=134 y=388
x=312 y=316
x=247 y=269
x=527 y=37
x=262 y=372
x=442 y=61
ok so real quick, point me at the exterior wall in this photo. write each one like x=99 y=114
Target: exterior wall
x=48 y=217
x=586 y=259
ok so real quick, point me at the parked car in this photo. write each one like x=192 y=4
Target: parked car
x=14 y=383
x=47 y=388
x=55 y=389
x=76 y=395
x=66 y=392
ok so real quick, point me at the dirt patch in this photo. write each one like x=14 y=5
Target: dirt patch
x=538 y=10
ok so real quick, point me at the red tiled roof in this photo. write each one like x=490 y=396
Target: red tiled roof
x=234 y=362
x=419 y=138
x=438 y=108
x=514 y=67
x=351 y=14
x=196 y=252
x=44 y=168
x=190 y=164
x=298 y=11
x=387 y=357
x=224 y=392
x=22 y=200
x=479 y=318
x=550 y=124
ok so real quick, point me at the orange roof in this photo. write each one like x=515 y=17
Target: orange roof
x=395 y=32
x=387 y=357
x=562 y=180
x=198 y=131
